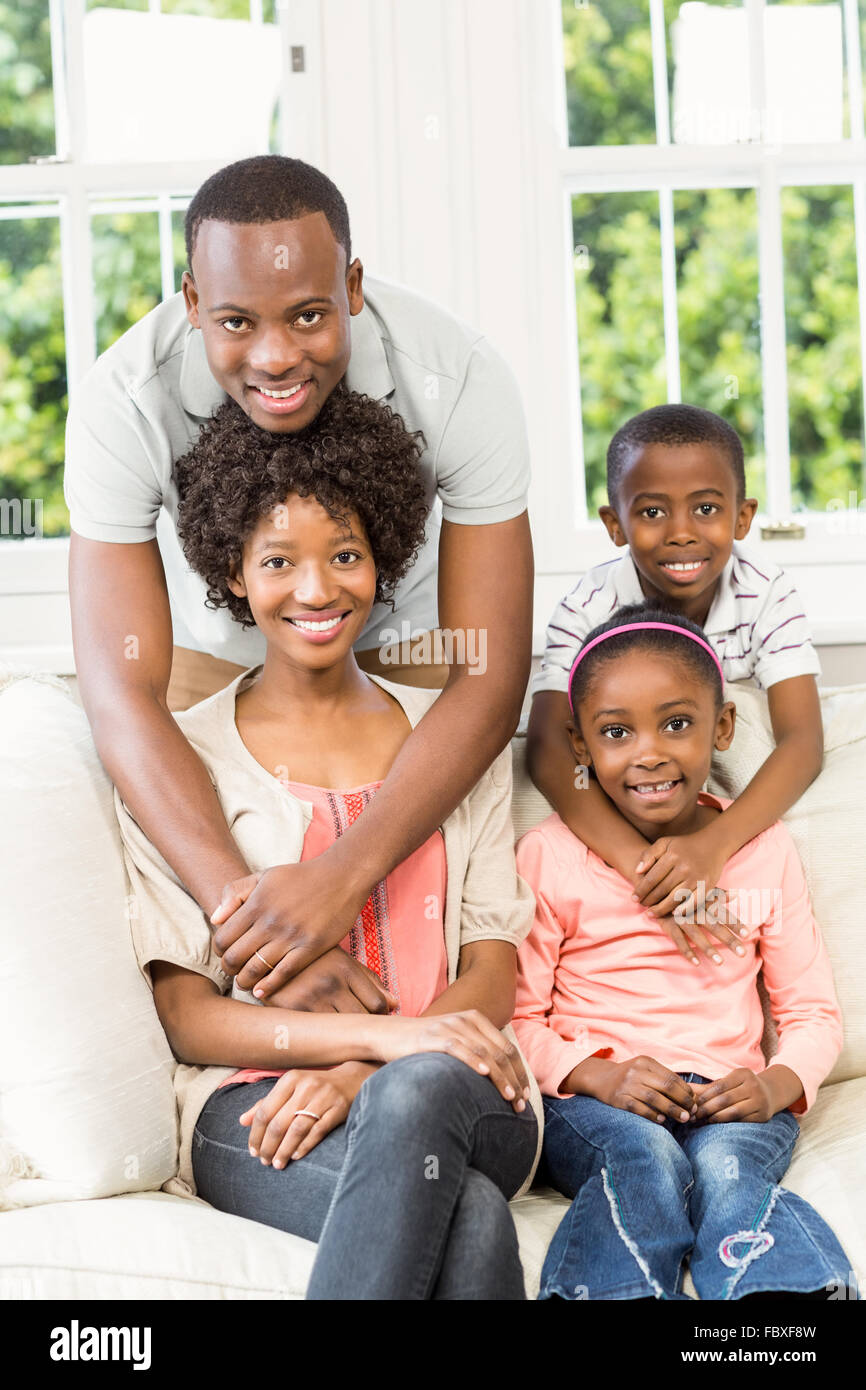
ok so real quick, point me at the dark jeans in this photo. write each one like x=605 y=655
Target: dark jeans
x=407 y=1200
x=647 y=1195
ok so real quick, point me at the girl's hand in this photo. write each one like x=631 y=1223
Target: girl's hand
x=644 y=1087
x=278 y=1133
x=467 y=1035
x=741 y=1095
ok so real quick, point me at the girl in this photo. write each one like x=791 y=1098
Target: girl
x=663 y=1122
x=393 y=1140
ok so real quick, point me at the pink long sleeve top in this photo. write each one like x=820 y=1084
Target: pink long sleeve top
x=597 y=977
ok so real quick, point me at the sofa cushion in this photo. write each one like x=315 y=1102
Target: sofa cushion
x=152 y=1246
x=828 y=826
x=87 y=1105
x=147 y=1246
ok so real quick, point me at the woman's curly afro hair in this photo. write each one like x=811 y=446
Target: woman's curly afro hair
x=356 y=456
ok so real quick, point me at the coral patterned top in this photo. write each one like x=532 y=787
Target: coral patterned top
x=399 y=933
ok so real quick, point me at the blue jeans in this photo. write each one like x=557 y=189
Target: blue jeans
x=408 y=1199
x=646 y=1195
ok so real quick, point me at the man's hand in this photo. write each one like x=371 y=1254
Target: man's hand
x=290 y=914
x=747 y=1095
x=335 y=983
x=279 y=1133
x=641 y=1085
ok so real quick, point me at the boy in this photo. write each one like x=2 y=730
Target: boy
x=676 y=490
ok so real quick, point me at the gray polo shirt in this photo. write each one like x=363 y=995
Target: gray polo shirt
x=143 y=403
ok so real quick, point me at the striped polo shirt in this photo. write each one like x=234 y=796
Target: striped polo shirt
x=756 y=624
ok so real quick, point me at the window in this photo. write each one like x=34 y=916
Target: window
x=95 y=175
x=714 y=167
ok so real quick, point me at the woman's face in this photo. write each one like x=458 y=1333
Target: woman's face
x=310 y=581
x=648 y=726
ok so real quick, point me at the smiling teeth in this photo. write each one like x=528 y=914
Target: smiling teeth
x=678 y=565
x=654 y=786
x=315 y=627
x=280 y=395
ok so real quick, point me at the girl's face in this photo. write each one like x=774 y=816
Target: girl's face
x=310 y=581
x=648 y=726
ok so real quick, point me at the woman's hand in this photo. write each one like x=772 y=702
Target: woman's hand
x=468 y=1036
x=291 y=914
x=642 y=1086
x=279 y=1133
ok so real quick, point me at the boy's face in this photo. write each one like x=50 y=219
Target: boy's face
x=274 y=302
x=648 y=726
x=310 y=582
x=677 y=510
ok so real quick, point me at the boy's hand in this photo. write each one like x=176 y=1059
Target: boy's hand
x=279 y=1132
x=645 y=1087
x=689 y=937
x=676 y=881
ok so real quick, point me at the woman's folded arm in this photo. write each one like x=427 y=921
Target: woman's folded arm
x=207 y=1028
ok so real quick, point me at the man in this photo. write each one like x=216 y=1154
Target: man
x=273 y=313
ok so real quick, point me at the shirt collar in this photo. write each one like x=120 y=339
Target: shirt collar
x=200 y=394
x=722 y=614
x=627 y=582
x=368 y=370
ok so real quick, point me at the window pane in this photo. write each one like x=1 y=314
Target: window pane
x=26 y=98
x=617 y=275
x=807 y=82
x=203 y=86
x=178 y=246
x=716 y=234
x=126 y=271
x=824 y=364
x=32 y=378
x=210 y=9
x=608 y=73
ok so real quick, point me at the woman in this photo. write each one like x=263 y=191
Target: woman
x=395 y=1140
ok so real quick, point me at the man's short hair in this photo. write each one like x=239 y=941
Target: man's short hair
x=267 y=188
x=674 y=425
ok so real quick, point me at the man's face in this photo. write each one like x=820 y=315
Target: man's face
x=677 y=510
x=273 y=301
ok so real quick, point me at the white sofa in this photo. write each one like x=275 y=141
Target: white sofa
x=88 y=1131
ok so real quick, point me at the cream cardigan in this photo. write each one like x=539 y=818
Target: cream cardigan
x=485 y=898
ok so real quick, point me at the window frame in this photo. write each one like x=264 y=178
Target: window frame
x=664 y=168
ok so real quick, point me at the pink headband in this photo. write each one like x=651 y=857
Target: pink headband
x=639 y=627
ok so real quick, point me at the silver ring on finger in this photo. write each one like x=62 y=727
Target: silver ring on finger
x=312 y=1114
